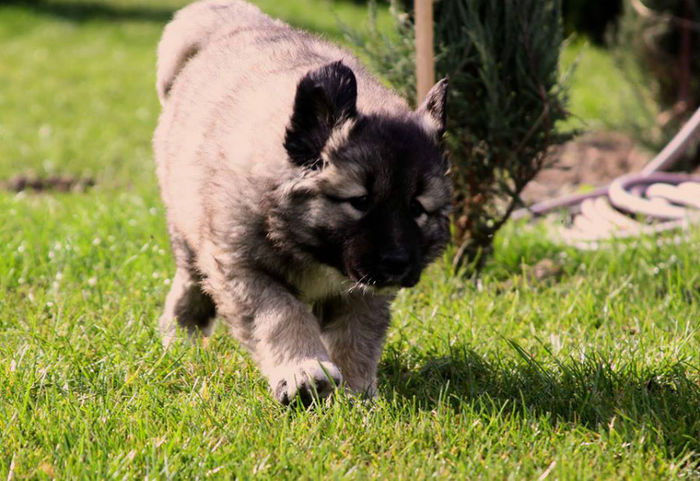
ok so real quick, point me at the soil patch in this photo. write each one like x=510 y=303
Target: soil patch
x=592 y=160
x=58 y=183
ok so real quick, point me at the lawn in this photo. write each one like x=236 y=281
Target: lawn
x=592 y=373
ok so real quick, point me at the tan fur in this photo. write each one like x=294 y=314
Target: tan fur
x=227 y=77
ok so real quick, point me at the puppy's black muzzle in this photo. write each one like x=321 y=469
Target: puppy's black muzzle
x=398 y=269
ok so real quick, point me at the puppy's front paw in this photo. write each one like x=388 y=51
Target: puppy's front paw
x=306 y=381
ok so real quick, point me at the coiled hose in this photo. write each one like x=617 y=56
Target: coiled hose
x=667 y=201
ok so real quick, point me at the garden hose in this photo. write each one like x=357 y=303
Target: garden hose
x=647 y=203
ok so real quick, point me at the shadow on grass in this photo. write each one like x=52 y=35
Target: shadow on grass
x=86 y=11
x=590 y=392
x=78 y=11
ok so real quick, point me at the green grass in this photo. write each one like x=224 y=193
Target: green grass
x=77 y=81
x=606 y=91
x=594 y=374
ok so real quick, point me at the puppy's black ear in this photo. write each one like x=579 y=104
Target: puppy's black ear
x=325 y=98
x=433 y=110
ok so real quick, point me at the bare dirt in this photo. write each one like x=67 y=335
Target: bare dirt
x=56 y=183
x=591 y=160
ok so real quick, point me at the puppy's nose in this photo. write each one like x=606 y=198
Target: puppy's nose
x=395 y=264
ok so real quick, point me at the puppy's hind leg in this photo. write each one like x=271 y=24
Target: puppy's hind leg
x=187 y=307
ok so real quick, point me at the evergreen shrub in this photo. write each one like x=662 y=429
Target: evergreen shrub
x=506 y=96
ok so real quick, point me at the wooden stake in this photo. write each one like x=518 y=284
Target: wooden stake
x=425 y=61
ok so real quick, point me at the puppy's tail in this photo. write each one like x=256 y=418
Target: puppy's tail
x=191 y=30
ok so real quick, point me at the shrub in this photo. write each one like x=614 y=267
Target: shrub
x=664 y=39
x=505 y=98
x=592 y=18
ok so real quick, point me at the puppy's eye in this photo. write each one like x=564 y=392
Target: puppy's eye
x=417 y=209
x=360 y=203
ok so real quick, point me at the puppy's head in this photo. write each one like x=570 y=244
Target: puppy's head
x=371 y=197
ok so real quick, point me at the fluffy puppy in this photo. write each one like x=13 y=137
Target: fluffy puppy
x=300 y=194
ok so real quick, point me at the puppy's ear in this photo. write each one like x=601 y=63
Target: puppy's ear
x=325 y=98
x=433 y=110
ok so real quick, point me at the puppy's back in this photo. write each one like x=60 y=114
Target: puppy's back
x=227 y=75
x=191 y=30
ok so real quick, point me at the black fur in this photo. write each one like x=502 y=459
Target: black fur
x=386 y=246
x=435 y=105
x=325 y=98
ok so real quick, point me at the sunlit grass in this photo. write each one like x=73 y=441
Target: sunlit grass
x=592 y=373
x=606 y=91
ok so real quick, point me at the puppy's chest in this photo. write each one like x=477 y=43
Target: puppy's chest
x=319 y=283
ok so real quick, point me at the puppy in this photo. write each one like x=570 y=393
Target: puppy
x=300 y=195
